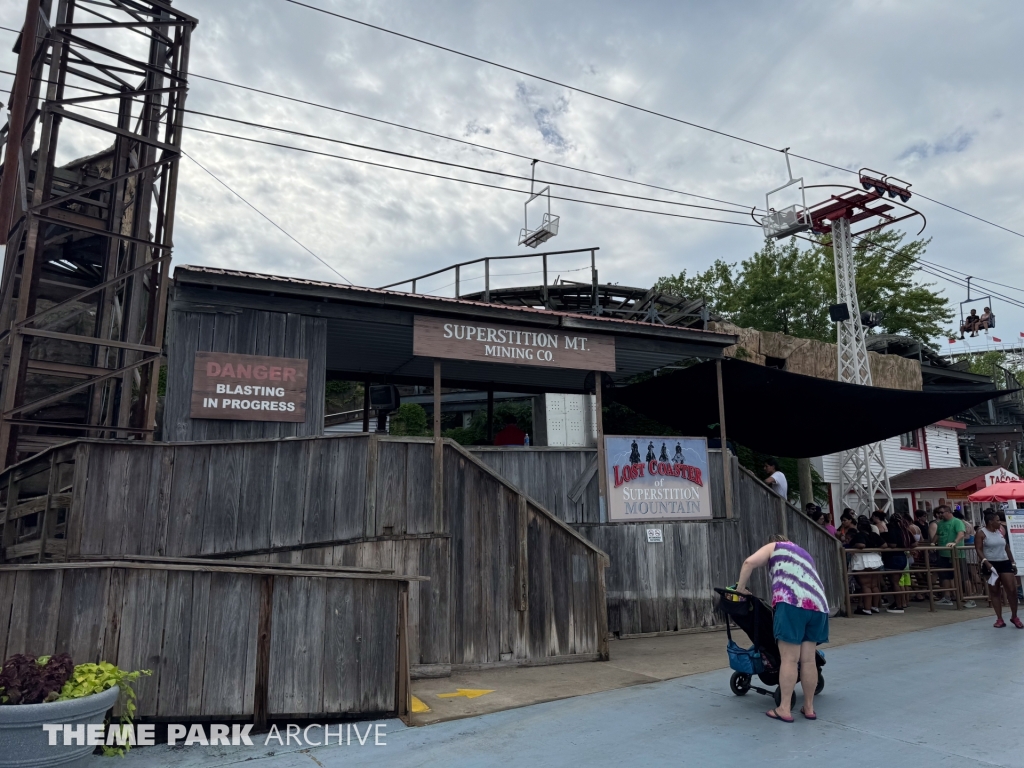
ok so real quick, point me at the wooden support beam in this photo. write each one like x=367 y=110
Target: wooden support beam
x=602 y=464
x=262 y=686
x=726 y=458
x=437 y=399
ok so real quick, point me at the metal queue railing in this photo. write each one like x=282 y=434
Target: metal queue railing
x=953 y=568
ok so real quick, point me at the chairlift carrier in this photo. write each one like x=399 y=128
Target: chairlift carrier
x=984 y=301
x=791 y=220
x=548 y=228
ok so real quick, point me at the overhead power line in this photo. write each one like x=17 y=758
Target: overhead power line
x=619 y=102
x=261 y=213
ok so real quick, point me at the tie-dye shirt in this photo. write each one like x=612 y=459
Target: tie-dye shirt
x=794 y=578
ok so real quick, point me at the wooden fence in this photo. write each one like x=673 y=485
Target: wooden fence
x=668 y=586
x=509 y=582
x=223 y=642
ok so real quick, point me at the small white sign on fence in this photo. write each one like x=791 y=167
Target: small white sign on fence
x=654 y=536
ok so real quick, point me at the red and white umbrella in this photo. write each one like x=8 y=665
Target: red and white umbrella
x=1004 y=491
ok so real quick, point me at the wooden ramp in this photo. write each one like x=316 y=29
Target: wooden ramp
x=662 y=587
x=509 y=583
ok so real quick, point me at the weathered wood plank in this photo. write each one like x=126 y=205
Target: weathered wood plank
x=227 y=638
x=391 y=488
x=342 y=646
x=223 y=492
x=188 y=505
x=289 y=493
x=347 y=465
x=81 y=625
x=197 y=642
x=153 y=539
x=256 y=505
x=297 y=653
x=175 y=654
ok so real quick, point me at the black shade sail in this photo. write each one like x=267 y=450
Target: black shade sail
x=788 y=414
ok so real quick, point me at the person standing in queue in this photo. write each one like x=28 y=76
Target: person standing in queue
x=949 y=533
x=801 y=618
x=994 y=554
x=776 y=480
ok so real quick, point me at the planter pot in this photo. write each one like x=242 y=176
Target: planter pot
x=26 y=744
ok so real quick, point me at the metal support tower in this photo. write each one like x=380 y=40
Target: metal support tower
x=862 y=469
x=88 y=241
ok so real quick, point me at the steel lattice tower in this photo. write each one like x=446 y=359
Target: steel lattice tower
x=88 y=240
x=862 y=469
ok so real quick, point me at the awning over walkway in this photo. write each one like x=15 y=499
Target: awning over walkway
x=788 y=414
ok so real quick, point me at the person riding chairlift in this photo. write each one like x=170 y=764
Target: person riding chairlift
x=971 y=324
x=988 y=320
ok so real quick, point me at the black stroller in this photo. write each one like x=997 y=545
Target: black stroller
x=755 y=617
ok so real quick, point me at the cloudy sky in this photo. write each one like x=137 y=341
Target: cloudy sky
x=928 y=92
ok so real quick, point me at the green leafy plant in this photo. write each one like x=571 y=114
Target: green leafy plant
x=410 y=421
x=88 y=679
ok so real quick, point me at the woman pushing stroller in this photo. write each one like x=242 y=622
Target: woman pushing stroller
x=801 y=618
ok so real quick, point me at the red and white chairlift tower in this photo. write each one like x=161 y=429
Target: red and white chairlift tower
x=862 y=470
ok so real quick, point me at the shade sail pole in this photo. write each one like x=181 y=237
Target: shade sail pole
x=726 y=458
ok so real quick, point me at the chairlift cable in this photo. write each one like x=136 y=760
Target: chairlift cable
x=744 y=212
x=261 y=213
x=619 y=102
x=467 y=181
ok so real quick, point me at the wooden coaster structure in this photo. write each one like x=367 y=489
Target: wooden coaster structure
x=88 y=243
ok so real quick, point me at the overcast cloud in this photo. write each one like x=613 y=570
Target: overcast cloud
x=928 y=92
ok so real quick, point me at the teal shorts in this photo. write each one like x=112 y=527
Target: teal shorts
x=799 y=625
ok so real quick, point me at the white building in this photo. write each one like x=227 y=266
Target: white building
x=933 y=447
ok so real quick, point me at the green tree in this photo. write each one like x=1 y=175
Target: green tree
x=787 y=288
x=410 y=421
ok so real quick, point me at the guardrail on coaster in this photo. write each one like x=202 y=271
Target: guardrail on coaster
x=509 y=582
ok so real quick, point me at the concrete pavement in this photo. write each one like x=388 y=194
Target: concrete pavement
x=947 y=697
x=640 y=661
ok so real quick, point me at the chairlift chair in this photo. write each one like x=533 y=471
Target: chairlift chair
x=790 y=220
x=548 y=228
x=978 y=301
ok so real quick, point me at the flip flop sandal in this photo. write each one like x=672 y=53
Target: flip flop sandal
x=806 y=716
x=999 y=624
x=774 y=715
x=1017 y=622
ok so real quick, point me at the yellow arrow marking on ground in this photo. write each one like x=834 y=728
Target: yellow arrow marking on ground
x=469 y=693
x=419 y=706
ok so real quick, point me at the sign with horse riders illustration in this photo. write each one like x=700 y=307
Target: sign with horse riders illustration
x=657 y=478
